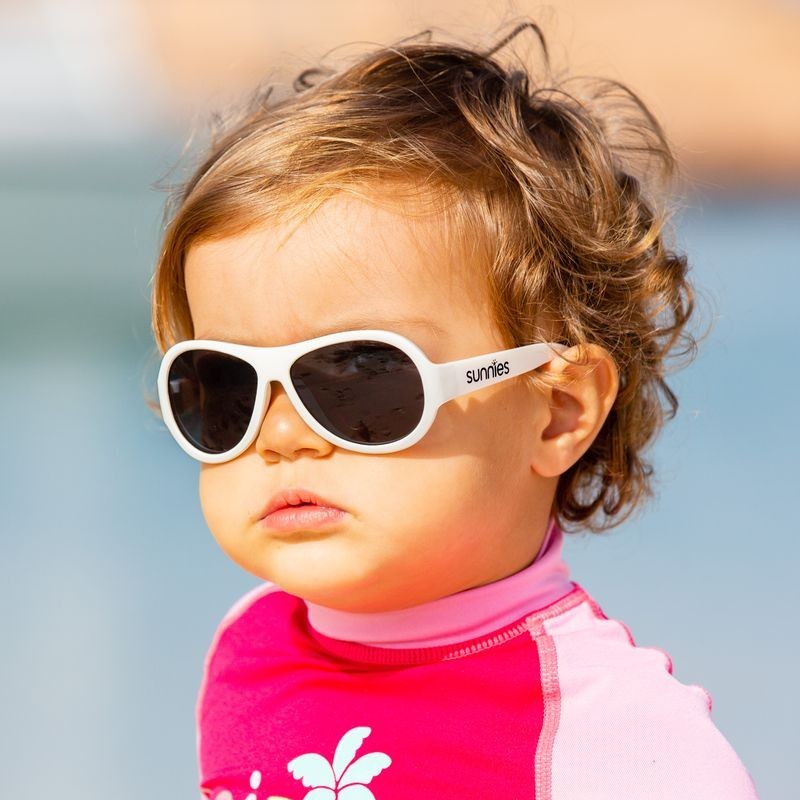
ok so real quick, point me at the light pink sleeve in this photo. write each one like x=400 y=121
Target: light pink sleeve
x=625 y=727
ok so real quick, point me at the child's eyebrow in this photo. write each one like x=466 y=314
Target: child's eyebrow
x=358 y=321
x=342 y=324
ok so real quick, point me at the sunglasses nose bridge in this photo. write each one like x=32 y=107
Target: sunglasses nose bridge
x=272 y=366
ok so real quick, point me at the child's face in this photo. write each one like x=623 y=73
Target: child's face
x=462 y=507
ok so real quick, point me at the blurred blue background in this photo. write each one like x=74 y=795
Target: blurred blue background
x=114 y=586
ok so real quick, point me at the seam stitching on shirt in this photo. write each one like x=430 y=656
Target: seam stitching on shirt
x=573 y=598
x=551 y=699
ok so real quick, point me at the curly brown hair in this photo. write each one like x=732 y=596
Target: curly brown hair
x=561 y=196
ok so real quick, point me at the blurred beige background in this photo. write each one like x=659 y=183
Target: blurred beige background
x=721 y=76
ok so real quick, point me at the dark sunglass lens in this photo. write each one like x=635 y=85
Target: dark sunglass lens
x=212 y=397
x=366 y=392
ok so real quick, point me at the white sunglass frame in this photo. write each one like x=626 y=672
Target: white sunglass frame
x=441 y=382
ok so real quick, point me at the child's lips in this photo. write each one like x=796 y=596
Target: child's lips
x=302 y=517
x=295 y=497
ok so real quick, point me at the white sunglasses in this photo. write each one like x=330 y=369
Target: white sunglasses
x=370 y=391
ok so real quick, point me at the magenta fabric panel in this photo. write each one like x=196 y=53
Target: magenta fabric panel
x=285 y=711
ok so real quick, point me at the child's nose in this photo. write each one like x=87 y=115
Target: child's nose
x=284 y=432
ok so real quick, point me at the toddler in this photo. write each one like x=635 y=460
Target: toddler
x=413 y=316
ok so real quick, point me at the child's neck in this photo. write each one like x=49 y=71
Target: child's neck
x=457 y=617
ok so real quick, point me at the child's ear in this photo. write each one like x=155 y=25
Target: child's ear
x=572 y=415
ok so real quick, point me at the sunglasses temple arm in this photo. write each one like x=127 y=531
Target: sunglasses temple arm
x=468 y=374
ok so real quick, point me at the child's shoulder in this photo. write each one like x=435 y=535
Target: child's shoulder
x=588 y=641
x=625 y=717
x=257 y=619
x=242 y=607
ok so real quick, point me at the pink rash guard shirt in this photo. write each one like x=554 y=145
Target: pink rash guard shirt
x=521 y=689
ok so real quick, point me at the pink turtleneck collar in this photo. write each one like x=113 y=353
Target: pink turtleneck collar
x=457 y=617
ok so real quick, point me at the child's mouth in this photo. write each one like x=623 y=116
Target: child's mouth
x=303 y=516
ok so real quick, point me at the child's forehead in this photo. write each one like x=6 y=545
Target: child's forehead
x=368 y=245
x=287 y=281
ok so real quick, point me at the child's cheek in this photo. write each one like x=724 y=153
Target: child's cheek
x=223 y=506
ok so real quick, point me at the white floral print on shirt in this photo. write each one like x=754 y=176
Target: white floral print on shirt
x=344 y=779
